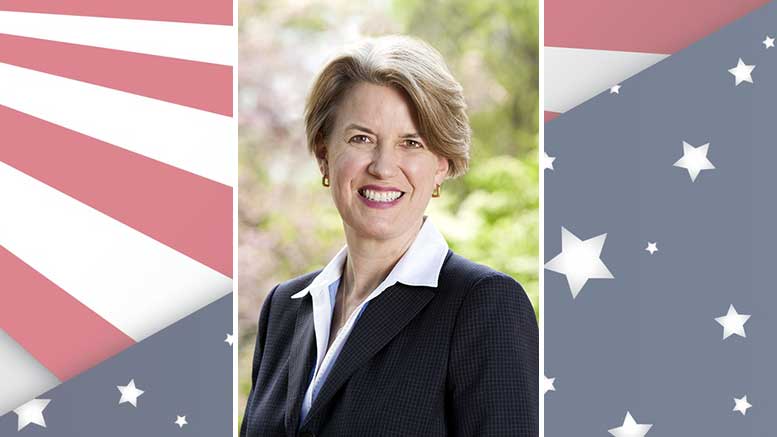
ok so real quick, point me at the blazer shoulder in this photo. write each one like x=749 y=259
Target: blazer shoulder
x=460 y=271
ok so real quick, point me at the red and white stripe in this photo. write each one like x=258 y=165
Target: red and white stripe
x=594 y=44
x=117 y=149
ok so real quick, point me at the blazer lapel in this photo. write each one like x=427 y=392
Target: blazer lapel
x=382 y=320
x=301 y=360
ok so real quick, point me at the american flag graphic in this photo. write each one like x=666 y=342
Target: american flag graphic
x=660 y=246
x=117 y=167
x=593 y=45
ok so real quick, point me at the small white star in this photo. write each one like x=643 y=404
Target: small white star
x=768 y=42
x=630 y=428
x=547 y=161
x=733 y=323
x=180 y=421
x=230 y=339
x=694 y=159
x=579 y=260
x=742 y=72
x=32 y=412
x=741 y=405
x=547 y=384
x=615 y=89
x=651 y=248
x=129 y=393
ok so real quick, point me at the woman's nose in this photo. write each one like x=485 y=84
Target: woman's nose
x=384 y=162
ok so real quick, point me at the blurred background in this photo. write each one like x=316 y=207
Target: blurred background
x=287 y=223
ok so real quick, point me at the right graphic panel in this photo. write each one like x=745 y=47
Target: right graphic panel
x=659 y=218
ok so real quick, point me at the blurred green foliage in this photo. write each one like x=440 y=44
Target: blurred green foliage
x=287 y=222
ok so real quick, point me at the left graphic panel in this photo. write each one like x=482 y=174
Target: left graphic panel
x=117 y=170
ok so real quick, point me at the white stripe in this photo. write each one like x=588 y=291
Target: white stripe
x=196 y=42
x=134 y=282
x=22 y=377
x=573 y=76
x=194 y=140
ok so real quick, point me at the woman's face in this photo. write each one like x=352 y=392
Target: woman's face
x=381 y=171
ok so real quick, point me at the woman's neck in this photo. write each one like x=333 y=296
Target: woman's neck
x=370 y=261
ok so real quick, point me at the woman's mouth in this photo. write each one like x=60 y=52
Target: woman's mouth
x=380 y=198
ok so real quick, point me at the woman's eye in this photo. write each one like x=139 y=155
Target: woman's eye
x=360 y=139
x=413 y=144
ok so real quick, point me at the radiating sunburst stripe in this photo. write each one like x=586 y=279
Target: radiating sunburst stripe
x=190 y=139
x=194 y=84
x=194 y=42
x=189 y=213
x=62 y=334
x=129 y=279
x=206 y=12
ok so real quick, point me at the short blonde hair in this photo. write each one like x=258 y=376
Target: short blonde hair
x=410 y=65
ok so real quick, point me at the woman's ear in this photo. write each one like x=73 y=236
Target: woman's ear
x=323 y=164
x=442 y=170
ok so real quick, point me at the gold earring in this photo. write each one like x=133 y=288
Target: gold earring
x=325 y=181
x=437 y=191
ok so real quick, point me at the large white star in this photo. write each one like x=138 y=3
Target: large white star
x=742 y=72
x=741 y=405
x=579 y=260
x=615 y=89
x=547 y=384
x=32 y=412
x=733 y=323
x=180 y=421
x=651 y=247
x=768 y=42
x=547 y=161
x=694 y=159
x=230 y=339
x=630 y=428
x=129 y=393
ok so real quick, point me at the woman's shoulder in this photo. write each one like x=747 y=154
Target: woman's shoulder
x=460 y=271
x=482 y=293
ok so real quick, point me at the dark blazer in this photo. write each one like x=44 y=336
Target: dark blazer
x=457 y=360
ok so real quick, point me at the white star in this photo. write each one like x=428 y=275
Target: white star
x=652 y=248
x=630 y=428
x=615 y=89
x=180 y=421
x=230 y=339
x=768 y=42
x=129 y=393
x=547 y=384
x=741 y=405
x=694 y=159
x=547 y=161
x=579 y=260
x=742 y=72
x=32 y=412
x=733 y=323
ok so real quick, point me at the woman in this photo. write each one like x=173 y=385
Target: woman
x=397 y=335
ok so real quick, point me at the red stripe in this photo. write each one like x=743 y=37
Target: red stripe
x=196 y=84
x=200 y=11
x=656 y=26
x=55 y=328
x=189 y=213
x=551 y=115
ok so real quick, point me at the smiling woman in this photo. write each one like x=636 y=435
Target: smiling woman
x=397 y=334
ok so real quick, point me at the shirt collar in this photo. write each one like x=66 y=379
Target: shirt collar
x=419 y=266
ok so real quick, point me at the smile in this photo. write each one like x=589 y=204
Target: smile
x=381 y=196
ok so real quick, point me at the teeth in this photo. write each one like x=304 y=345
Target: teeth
x=381 y=196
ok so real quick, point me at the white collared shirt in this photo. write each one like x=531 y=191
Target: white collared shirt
x=419 y=266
